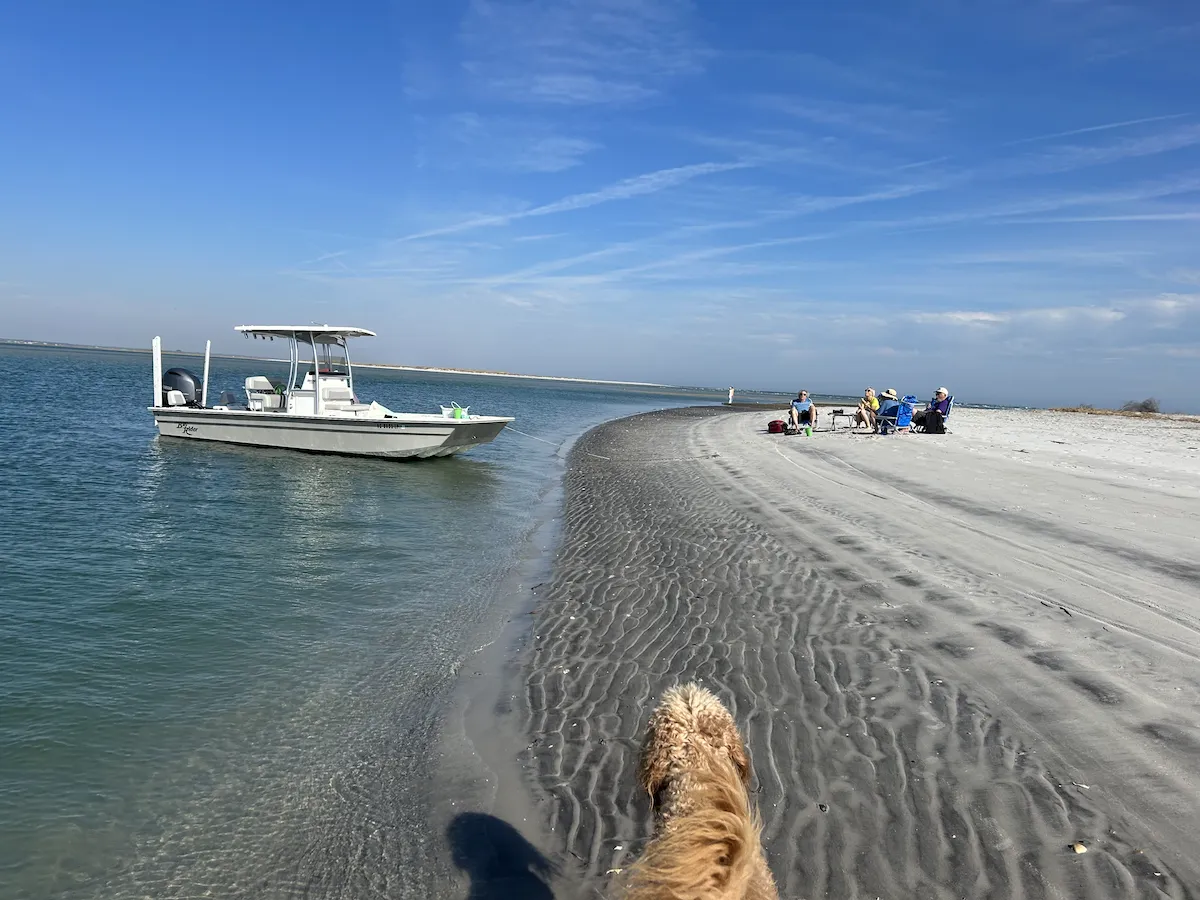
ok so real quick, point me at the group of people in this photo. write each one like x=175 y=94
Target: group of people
x=872 y=408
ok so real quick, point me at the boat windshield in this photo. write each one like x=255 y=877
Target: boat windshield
x=329 y=355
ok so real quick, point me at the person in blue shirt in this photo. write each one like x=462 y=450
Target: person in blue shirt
x=889 y=404
x=802 y=412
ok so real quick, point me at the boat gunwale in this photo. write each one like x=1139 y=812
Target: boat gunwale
x=396 y=419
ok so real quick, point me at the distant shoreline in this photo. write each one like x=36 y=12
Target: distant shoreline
x=744 y=404
x=443 y=371
x=437 y=370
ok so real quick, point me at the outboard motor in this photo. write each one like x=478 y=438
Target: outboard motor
x=186 y=383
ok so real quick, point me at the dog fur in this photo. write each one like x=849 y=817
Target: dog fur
x=707 y=838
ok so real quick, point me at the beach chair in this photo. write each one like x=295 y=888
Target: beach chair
x=896 y=417
x=945 y=418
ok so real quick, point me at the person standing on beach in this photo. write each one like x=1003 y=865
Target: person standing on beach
x=731 y=396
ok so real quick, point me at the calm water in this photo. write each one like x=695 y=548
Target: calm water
x=218 y=665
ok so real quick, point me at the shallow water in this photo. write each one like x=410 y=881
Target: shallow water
x=220 y=668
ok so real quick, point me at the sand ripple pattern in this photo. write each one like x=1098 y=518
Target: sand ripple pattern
x=881 y=770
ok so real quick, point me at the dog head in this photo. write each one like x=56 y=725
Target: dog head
x=689 y=725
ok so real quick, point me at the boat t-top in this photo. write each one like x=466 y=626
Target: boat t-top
x=315 y=409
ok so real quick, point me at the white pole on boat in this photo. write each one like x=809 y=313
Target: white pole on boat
x=204 y=389
x=293 y=371
x=316 y=376
x=156 y=352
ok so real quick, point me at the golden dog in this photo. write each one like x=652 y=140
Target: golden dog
x=706 y=843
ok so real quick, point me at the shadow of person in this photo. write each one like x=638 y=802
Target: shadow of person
x=501 y=864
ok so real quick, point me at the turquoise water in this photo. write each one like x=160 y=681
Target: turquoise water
x=220 y=667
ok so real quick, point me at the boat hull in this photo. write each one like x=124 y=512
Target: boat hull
x=403 y=437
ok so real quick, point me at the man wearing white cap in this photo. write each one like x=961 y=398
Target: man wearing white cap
x=932 y=419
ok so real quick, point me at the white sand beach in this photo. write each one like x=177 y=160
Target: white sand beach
x=953 y=656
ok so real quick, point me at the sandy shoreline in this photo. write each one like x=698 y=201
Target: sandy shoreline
x=952 y=656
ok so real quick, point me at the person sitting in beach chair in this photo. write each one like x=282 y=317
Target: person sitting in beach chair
x=802 y=412
x=932 y=419
x=868 y=406
x=895 y=413
x=888 y=403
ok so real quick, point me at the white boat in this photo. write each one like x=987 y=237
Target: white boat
x=316 y=409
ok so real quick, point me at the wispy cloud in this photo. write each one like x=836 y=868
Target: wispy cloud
x=529 y=238
x=920 y=164
x=538 y=271
x=578 y=52
x=502 y=143
x=783 y=147
x=782 y=209
x=1097 y=32
x=1187 y=216
x=1039 y=256
x=808 y=205
x=626 y=189
x=792 y=208
x=1052 y=315
x=1174 y=303
x=1093 y=128
x=1157 y=311
x=1072 y=157
x=959 y=317
x=1008 y=212
x=1016 y=210
x=1060 y=160
x=888 y=121
x=871 y=76
x=1140 y=36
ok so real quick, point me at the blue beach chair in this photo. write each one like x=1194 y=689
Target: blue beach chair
x=896 y=415
x=945 y=418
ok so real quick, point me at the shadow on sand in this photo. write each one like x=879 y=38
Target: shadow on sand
x=501 y=864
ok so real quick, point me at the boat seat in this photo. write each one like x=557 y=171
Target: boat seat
x=337 y=397
x=262 y=402
x=261 y=394
x=260 y=383
x=176 y=398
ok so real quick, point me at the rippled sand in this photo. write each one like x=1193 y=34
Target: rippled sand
x=952 y=656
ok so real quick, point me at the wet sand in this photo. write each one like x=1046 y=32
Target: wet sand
x=951 y=656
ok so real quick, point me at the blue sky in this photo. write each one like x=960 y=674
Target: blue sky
x=998 y=195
